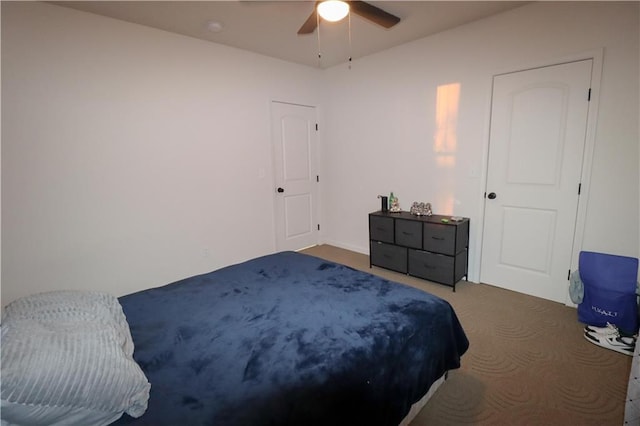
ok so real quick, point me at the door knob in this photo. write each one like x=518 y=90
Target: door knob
x=280 y=189
x=492 y=195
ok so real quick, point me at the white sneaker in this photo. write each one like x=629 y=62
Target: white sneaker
x=610 y=330
x=605 y=331
x=624 y=345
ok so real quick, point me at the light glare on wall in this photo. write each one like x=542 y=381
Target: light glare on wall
x=446 y=138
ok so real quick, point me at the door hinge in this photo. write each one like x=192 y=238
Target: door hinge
x=317 y=178
x=579 y=188
x=318 y=227
x=588 y=96
x=569 y=275
x=316 y=127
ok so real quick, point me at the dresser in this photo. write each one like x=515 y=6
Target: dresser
x=421 y=246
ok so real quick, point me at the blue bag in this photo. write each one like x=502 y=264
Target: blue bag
x=609 y=291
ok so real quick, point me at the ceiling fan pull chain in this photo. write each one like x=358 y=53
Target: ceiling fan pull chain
x=319 y=52
x=350 y=39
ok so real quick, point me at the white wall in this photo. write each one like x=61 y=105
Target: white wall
x=380 y=117
x=132 y=157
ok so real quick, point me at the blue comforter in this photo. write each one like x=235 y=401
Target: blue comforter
x=289 y=339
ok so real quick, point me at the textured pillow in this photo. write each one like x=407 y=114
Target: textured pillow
x=67 y=358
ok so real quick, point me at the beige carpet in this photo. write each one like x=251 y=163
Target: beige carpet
x=527 y=364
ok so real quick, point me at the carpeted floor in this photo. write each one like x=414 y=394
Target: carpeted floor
x=528 y=362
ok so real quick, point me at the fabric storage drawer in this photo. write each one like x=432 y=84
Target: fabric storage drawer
x=381 y=229
x=409 y=233
x=429 y=247
x=439 y=238
x=388 y=256
x=431 y=266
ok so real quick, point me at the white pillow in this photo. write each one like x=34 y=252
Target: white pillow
x=67 y=358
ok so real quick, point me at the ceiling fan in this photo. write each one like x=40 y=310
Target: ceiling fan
x=361 y=8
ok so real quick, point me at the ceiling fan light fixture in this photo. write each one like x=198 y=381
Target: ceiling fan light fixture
x=333 y=10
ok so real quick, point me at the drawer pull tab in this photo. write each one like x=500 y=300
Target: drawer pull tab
x=428 y=266
x=406 y=233
x=438 y=238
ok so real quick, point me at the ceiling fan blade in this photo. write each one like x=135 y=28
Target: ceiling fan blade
x=373 y=14
x=311 y=23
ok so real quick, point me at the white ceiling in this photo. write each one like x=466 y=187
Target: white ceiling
x=270 y=27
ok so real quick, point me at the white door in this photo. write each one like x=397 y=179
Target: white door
x=296 y=180
x=537 y=137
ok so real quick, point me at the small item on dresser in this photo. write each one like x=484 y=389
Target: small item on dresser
x=384 y=207
x=421 y=209
x=457 y=218
x=394 y=204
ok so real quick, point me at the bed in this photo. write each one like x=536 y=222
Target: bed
x=288 y=339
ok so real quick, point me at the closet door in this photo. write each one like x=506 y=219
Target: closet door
x=537 y=139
